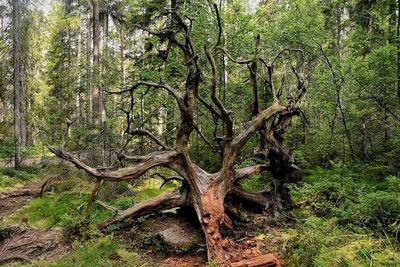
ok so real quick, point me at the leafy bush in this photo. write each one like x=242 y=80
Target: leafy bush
x=8 y=147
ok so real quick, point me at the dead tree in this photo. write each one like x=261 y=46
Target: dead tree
x=203 y=191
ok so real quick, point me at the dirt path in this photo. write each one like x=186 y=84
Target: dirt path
x=10 y=201
x=22 y=242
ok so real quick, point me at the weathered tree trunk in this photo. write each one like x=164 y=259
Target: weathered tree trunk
x=205 y=192
x=212 y=217
x=122 y=54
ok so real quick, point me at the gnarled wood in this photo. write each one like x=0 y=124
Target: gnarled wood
x=204 y=191
x=155 y=159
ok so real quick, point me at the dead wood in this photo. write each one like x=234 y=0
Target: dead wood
x=205 y=192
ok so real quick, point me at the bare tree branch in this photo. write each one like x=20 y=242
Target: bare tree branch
x=155 y=159
x=219 y=26
x=237 y=61
x=253 y=77
x=207 y=141
x=256 y=123
x=162 y=85
x=168 y=179
x=142 y=132
x=249 y=171
x=107 y=207
x=226 y=115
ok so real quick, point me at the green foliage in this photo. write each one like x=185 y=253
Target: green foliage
x=348 y=218
x=377 y=210
x=106 y=251
x=323 y=242
x=51 y=210
x=8 y=148
x=353 y=198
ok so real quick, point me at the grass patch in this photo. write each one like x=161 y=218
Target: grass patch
x=11 y=178
x=150 y=188
x=105 y=251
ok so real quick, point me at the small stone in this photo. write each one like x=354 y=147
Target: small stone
x=178 y=237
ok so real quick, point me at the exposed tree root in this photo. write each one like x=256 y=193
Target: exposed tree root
x=23 y=243
x=258 y=199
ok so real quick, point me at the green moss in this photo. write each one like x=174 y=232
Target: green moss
x=255 y=183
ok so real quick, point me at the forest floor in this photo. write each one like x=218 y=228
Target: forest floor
x=345 y=217
x=13 y=200
x=24 y=243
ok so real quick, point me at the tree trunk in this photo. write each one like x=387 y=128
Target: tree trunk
x=18 y=83
x=398 y=49
x=97 y=111
x=89 y=99
x=79 y=83
x=210 y=210
x=122 y=55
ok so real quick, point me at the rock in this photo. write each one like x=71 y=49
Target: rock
x=180 y=236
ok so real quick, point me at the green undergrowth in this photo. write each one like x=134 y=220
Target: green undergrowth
x=64 y=204
x=347 y=216
x=8 y=148
x=150 y=188
x=255 y=183
x=104 y=251
x=11 y=178
x=69 y=189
